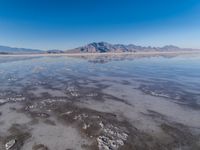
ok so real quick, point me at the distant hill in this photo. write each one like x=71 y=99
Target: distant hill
x=55 y=51
x=12 y=50
x=103 y=47
x=95 y=47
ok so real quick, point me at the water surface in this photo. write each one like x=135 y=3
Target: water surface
x=101 y=102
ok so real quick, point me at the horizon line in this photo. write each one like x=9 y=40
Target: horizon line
x=94 y=42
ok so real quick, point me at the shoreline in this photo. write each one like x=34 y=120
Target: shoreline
x=105 y=54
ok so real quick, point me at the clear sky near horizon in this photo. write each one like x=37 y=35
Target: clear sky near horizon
x=65 y=24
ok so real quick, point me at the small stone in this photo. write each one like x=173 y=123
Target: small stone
x=85 y=126
x=2 y=101
x=10 y=144
x=101 y=124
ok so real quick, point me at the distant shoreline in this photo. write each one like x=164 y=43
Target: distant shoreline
x=98 y=54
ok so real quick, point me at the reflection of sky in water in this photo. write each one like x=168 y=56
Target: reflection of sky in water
x=182 y=72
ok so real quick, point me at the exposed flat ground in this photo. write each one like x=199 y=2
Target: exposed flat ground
x=94 y=113
x=121 y=118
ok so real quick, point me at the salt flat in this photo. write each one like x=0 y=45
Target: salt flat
x=100 y=102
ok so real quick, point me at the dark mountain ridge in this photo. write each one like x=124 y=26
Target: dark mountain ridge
x=104 y=47
x=95 y=47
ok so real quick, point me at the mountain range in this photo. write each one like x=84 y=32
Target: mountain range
x=95 y=47
x=13 y=50
x=103 y=47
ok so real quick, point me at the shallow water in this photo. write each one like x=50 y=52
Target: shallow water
x=177 y=77
x=116 y=102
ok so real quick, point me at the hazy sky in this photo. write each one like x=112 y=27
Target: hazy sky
x=64 y=24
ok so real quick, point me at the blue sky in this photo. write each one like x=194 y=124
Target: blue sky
x=64 y=24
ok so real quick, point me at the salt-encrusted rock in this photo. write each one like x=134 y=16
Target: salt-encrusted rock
x=80 y=116
x=101 y=124
x=66 y=113
x=73 y=91
x=112 y=138
x=2 y=101
x=10 y=144
x=85 y=126
x=16 y=99
x=103 y=143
